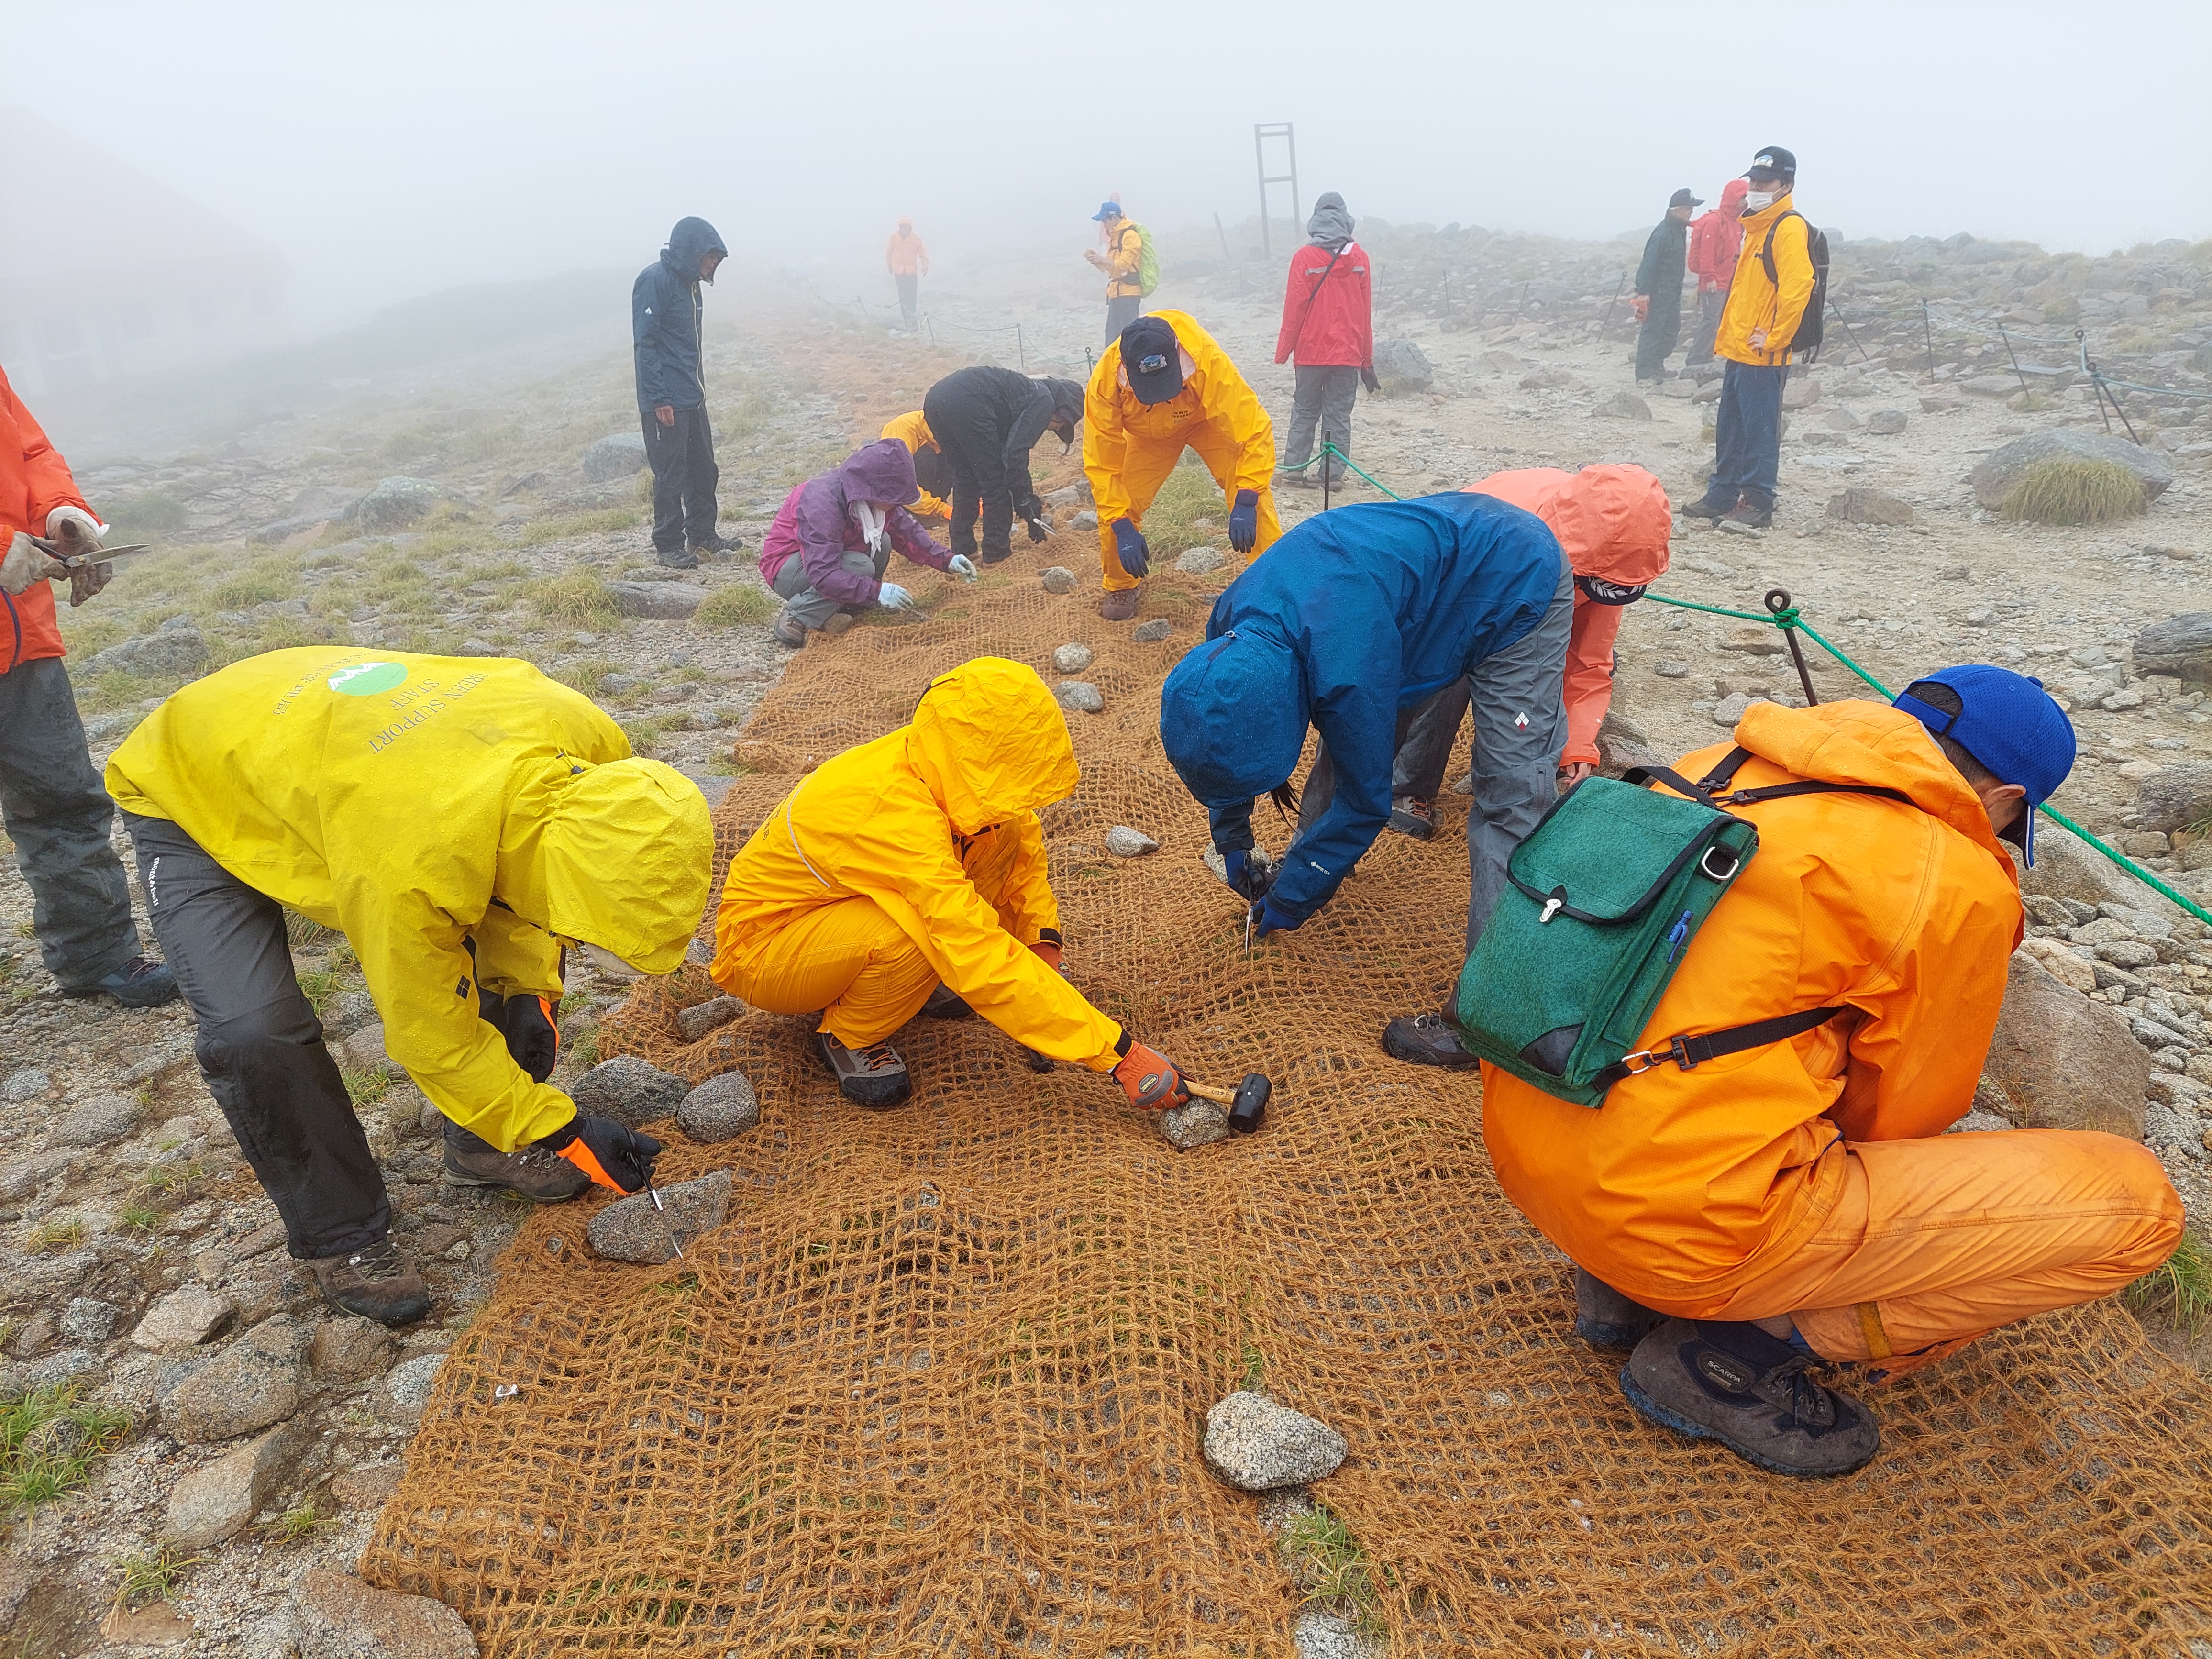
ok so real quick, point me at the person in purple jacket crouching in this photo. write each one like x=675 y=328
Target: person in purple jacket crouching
x=825 y=554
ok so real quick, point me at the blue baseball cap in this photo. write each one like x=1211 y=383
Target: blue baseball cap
x=1107 y=210
x=1233 y=718
x=2008 y=723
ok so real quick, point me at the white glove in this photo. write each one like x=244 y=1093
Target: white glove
x=89 y=532
x=963 y=566
x=25 y=563
x=893 y=597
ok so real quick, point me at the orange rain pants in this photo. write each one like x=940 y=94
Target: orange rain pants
x=1932 y=1244
x=1145 y=468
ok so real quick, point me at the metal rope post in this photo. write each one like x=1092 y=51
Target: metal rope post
x=1326 y=445
x=1785 y=617
x=1928 y=333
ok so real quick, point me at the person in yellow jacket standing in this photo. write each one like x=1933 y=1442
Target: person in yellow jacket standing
x=910 y=871
x=930 y=472
x=1123 y=262
x=1162 y=386
x=463 y=821
x=1758 y=324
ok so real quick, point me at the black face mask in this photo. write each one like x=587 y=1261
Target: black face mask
x=1599 y=592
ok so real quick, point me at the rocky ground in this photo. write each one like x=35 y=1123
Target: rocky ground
x=231 y=1436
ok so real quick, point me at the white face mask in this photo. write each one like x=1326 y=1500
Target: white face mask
x=1758 y=201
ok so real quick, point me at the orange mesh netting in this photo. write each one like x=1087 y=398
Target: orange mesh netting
x=937 y=1386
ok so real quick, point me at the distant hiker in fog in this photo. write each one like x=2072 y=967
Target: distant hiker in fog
x=1328 y=327
x=664 y=316
x=1715 y=238
x=1123 y=262
x=1658 y=302
x=907 y=261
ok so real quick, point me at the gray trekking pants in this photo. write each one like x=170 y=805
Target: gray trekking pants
x=1519 y=696
x=1709 y=307
x=58 y=815
x=807 y=607
x=1323 y=399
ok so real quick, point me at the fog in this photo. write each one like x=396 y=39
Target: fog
x=389 y=150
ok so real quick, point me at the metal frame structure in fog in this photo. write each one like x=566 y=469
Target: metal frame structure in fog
x=1261 y=132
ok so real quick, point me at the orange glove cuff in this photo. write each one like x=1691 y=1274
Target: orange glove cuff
x=585 y=1159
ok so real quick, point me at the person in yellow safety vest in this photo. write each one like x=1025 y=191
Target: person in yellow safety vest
x=1165 y=385
x=908 y=876
x=1123 y=264
x=930 y=472
x=463 y=821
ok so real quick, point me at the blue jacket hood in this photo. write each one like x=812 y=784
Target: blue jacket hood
x=692 y=240
x=1233 y=718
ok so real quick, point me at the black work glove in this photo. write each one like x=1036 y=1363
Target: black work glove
x=1244 y=521
x=1037 y=532
x=615 y=1157
x=1367 y=379
x=1129 y=547
x=533 y=1036
x=1029 y=507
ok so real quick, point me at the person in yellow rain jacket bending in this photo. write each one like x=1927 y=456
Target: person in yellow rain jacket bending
x=931 y=473
x=1164 y=385
x=911 y=871
x=462 y=820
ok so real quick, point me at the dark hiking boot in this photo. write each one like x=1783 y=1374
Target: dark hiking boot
x=677 y=558
x=874 y=1077
x=945 y=1003
x=788 y=630
x=141 y=983
x=1750 y=517
x=718 y=545
x=1605 y=1318
x=995 y=555
x=1427 y=1039
x=377 y=1282
x=528 y=1172
x=1735 y=1384
x=1305 y=478
x=1702 y=508
x=1121 y=604
x=1414 y=816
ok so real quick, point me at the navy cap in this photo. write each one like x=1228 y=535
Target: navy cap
x=1151 y=357
x=1772 y=163
x=1683 y=198
x=2009 y=723
x=1107 y=210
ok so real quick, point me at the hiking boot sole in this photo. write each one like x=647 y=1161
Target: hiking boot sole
x=1691 y=1430
x=1604 y=1334
x=1401 y=1044
x=875 y=1094
x=1411 y=824
x=453 y=1177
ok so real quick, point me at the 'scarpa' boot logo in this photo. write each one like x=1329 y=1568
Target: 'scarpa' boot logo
x=366 y=680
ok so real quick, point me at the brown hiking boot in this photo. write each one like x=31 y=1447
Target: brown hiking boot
x=376 y=1281
x=1412 y=814
x=1605 y=1318
x=1427 y=1039
x=1120 y=603
x=529 y=1172
x=1735 y=1383
x=788 y=630
x=874 y=1077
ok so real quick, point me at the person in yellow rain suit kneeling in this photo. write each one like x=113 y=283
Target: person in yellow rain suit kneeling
x=463 y=820
x=911 y=871
x=1164 y=385
x=931 y=472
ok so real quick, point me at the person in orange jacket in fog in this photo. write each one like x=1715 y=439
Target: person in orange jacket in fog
x=907 y=261
x=1612 y=522
x=930 y=472
x=1716 y=241
x=1737 y=1220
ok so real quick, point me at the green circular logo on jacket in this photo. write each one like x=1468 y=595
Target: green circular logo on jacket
x=366 y=680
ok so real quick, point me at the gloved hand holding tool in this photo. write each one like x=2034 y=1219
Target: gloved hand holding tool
x=963 y=566
x=26 y=561
x=1038 y=529
x=1265 y=918
x=1149 y=1078
x=1244 y=521
x=618 y=1158
x=78 y=536
x=893 y=597
x=1249 y=870
x=1130 y=546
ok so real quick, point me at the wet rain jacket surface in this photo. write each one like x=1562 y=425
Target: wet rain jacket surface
x=1684 y=1184
x=422 y=804
x=35 y=480
x=904 y=254
x=1660 y=273
x=1328 y=310
x=901 y=822
x=816 y=524
x=1612 y=522
x=912 y=429
x=1753 y=303
x=1215 y=407
x=1125 y=254
x=664 y=316
x=1354 y=615
x=1716 y=240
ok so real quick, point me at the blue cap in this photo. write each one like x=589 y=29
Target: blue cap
x=2009 y=723
x=1107 y=210
x=1233 y=718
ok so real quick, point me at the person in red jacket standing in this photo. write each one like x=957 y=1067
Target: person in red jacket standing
x=56 y=809
x=1716 y=240
x=1328 y=327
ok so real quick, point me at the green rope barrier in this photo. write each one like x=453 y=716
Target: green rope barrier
x=1327 y=449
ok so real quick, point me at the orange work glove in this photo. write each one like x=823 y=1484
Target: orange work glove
x=1148 y=1077
x=618 y=1159
x=1641 y=305
x=1049 y=949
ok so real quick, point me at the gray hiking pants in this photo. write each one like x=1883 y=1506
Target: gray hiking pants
x=1519 y=696
x=1323 y=399
x=807 y=607
x=1709 y=307
x=58 y=815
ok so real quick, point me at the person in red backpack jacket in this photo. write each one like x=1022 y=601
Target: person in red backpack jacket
x=1716 y=240
x=56 y=809
x=1328 y=327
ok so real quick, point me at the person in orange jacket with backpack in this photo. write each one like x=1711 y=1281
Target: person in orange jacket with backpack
x=1328 y=327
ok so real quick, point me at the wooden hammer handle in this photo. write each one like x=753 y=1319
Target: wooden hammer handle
x=1207 y=1092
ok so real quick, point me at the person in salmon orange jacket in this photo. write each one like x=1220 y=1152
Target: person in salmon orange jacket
x=57 y=814
x=1716 y=241
x=1613 y=523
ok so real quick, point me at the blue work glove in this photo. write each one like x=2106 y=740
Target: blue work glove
x=1248 y=872
x=963 y=566
x=1244 y=521
x=1135 y=555
x=1266 y=919
x=893 y=597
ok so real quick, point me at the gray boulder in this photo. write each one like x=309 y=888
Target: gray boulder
x=1257 y=1444
x=1886 y=423
x=1079 y=696
x=1621 y=744
x=394 y=503
x=1993 y=480
x=25 y=1083
x=711 y=1015
x=88 y=1321
x=219 y=1501
x=1402 y=366
x=407 y=1387
x=1859 y=504
x=2180 y=645
x=630 y=1090
x=364 y=1051
x=656 y=601
x=165 y=653
x=719 y=1109
x=1199 y=1124
x=616 y=456
x=2062 y=1061
x=185 y=1318
x=1200 y=561
x=347 y=1347
x=98 y=1121
x=1058 y=579
x=1152 y=632
x=1123 y=843
x=252 y=1383
x=2175 y=797
x=1073 y=657
x=2066 y=868
x=1623 y=407
x=633 y=1229
x=336 y=1616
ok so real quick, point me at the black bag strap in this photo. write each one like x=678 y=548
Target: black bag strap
x=1766 y=248
x=1713 y=791
x=1689 y=1051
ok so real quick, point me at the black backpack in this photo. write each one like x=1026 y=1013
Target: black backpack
x=1806 y=345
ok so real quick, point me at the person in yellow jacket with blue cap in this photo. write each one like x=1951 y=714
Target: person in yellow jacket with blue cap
x=908 y=876
x=463 y=821
x=1164 y=385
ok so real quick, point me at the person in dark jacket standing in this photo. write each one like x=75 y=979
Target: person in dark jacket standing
x=986 y=421
x=1328 y=327
x=1658 y=300
x=664 y=317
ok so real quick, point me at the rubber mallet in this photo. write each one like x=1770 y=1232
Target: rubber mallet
x=1247 y=1106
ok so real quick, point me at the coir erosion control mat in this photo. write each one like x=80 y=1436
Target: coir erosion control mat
x=937 y=1385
